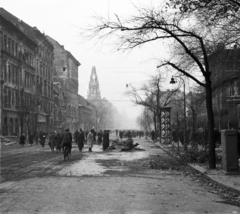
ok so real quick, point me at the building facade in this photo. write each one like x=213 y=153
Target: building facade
x=38 y=82
x=23 y=97
x=225 y=67
x=66 y=74
x=43 y=82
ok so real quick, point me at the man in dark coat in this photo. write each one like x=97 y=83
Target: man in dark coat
x=58 y=140
x=42 y=138
x=94 y=136
x=129 y=134
x=104 y=144
x=100 y=137
x=30 y=138
x=174 y=135
x=121 y=135
x=108 y=140
x=80 y=140
x=75 y=136
x=153 y=135
x=52 y=142
x=22 y=139
x=67 y=139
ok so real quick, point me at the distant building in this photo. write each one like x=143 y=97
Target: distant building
x=106 y=114
x=93 y=88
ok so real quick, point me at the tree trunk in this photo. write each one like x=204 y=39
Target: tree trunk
x=155 y=121
x=212 y=155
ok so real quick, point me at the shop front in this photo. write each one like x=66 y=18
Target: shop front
x=42 y=123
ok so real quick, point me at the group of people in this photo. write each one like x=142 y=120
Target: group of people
x=129 y=134
x=39 y=137
x=92 y=137
x=59 y=140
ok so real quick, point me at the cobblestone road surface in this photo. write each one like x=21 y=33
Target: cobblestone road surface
x=35 y=180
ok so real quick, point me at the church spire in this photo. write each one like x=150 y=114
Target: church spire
x=93 y=88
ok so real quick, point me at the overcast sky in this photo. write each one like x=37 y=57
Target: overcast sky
x=62 y=19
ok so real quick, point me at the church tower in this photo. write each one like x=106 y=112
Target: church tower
x=93 y=88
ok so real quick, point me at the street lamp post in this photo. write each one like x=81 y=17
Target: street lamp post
x=184 y=114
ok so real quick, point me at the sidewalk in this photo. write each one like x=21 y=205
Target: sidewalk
x=231 y=182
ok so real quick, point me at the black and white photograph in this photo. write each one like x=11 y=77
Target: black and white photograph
x=120 y=107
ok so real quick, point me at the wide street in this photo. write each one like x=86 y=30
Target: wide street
x=35 y=180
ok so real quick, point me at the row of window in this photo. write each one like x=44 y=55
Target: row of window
x=11 y=127
x=72 y=111
x=12 y=98
x=17 y=50
x=43 y=70
x=11 y=73
x=58 y=114
x=29 y=79
x=43 y=53
x=45 y=86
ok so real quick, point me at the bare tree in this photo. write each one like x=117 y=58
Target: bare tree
x=223 y=15
x=215 y=10
x=151 y=96
x=151 y=24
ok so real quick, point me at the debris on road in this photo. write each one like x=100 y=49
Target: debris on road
x=125 y=145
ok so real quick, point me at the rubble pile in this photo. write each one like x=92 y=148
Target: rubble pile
x=165 y=163
x=124 y=145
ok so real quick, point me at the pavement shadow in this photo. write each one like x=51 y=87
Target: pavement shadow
x=228 y=203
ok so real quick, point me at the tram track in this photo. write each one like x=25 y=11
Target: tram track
x=12 y=168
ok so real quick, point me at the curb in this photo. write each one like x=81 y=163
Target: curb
x=214 y=180
x=203 y=172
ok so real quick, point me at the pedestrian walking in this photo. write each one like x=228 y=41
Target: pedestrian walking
x=129 y=134
x=121 y=135
x=67 y=143
x=75 y=136
x=104 y=144
x=67 y=137
x=90 y=140
x=42 y=136
x=94 y=136
x=108 y=140
x=100 y=135
x=52 y=142
x=58 y=140
x=30 y=138
x=86 y=134
x=80 y=140
x=153 y=135
x=22 y=139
